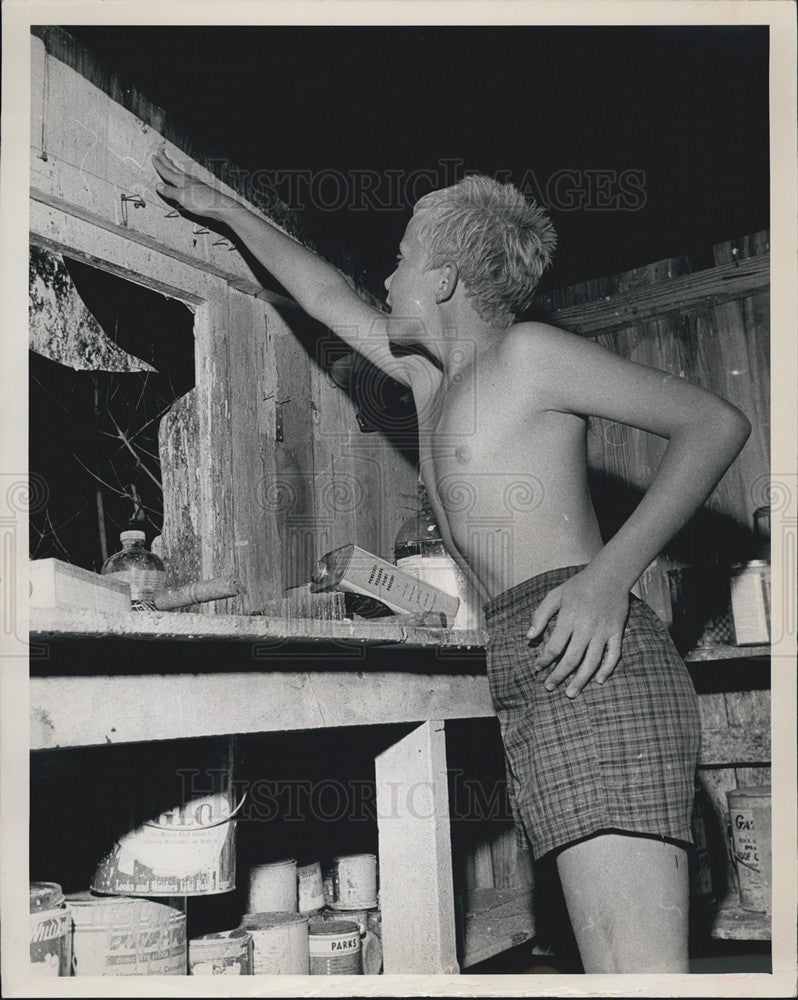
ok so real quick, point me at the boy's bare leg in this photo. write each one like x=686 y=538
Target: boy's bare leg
x=628 y=900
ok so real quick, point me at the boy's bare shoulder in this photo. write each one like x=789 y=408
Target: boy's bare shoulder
x=541 y=344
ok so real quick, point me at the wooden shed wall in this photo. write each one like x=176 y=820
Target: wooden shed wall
x=716 y=341
x=238 y=500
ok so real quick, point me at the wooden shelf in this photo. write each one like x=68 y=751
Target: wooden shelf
x=495 y=920
x=710 y=654
x=55 y=623
x=52 y=623
x=732 y=923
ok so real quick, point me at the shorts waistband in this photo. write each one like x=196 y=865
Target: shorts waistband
x=527 y=595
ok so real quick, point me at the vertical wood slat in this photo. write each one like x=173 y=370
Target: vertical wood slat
x=217 y=532
x=416 y=891
x=292 y=497
x=178 y=446
x=255 y=542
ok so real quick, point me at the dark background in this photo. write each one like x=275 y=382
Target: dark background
x=687 y=106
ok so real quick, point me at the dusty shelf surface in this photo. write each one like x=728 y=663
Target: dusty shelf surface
x=733 y=923
x=51 y=623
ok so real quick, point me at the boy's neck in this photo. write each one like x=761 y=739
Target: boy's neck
x=464 y=338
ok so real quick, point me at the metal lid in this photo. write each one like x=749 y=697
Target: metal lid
x=750 y=792
x=132 y=536
x=751 y=564
x=45 y=896
x=262 y=921
x=333 y=927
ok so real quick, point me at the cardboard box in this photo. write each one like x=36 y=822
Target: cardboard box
x=56 y=584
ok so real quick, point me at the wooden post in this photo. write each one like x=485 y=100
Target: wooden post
x=416 y=892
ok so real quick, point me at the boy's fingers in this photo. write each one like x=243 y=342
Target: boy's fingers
x=568 y=662
x=166 y=168
x=612 y=654
x=588 y=667
x=547 y=607
x=554 y=647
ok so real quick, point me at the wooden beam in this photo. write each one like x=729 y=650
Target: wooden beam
x=92 y=711
x=62 y=232
x=416 y=891
x=702 y=290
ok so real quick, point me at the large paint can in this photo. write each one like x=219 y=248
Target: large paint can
x=749 y=816
x=225 y=953
x=334 y=948
x=50 y=931
x=273 y=887
x=354 y=882
x=279 y=943
x=310 y=888
x=189 y=850
x=120 y=936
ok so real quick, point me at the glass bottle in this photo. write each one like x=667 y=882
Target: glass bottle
x=419 y=550
x=136 y=566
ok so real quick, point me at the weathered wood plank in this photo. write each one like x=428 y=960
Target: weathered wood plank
x=178 y=446
x=96 y=152
x=702 y=290
x=416 y=893
x=291 y=496
x=495 y=920
x=217 y=533
x=734 y=745
x=93 y=711
x=252 y=390
x=58 y=230
x=53 y=624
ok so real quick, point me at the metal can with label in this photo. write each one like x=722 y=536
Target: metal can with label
x=225 y=953
x=50 y=931
x=334 y=948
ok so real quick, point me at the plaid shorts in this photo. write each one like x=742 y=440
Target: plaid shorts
x=620 y=757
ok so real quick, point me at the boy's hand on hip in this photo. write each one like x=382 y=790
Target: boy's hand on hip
x=587 y=637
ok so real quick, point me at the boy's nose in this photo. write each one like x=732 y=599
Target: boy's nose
x=387 y=282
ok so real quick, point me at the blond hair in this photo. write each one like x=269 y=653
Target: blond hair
x=500 y=242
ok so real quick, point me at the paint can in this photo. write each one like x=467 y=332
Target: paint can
x=749 y=816
x=225 y=953
x=189 y=850
x=121 y=936
x=310 y=888
x=50 y=931
x=334 y=948
x=273 y=887
x=354 y=882
x=751 y=599
x=279 y=943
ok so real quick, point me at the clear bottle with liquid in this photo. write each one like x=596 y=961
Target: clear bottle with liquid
x=136 y=566
x=419 y=550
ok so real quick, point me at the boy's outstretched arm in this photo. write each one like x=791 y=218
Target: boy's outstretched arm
x=316 y=285
x=705 y=434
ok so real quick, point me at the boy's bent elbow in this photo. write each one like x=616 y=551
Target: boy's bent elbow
x=734 y=426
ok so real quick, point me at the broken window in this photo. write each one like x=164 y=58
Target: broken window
x=108 y=357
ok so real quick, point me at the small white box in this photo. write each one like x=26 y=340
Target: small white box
x=56 y=584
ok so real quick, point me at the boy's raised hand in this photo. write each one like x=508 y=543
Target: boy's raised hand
x=188 y=193
x=587 y=636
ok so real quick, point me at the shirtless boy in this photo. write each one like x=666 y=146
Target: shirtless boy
x=598 y=714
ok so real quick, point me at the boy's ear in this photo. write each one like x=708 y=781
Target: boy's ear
x=447 y=282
